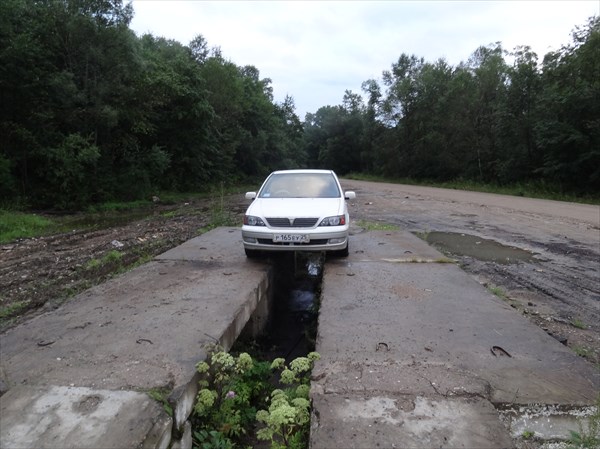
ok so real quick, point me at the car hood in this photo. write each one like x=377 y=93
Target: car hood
x=296 y=207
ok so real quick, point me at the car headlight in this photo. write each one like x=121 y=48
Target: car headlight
x=338 y=220
x=251 y=220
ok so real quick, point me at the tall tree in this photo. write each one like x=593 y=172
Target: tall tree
x=568 y=133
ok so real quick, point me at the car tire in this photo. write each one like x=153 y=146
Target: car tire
x=342 y=252
x=252 y=253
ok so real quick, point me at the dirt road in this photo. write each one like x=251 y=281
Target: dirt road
x=551 y=273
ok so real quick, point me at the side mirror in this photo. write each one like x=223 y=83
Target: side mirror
x=250 y=195
x=349 y=195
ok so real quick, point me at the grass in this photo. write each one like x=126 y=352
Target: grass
x=13 y=309
x=578 y=324
x=588 y=435
x=376 y=226
x=160 y=395
x=219 y=214
x=498 y=291
x=17 y=225
x=531 y=189
x=581 y=351
x=113 y=256
x=115 y=206
x=527 y=434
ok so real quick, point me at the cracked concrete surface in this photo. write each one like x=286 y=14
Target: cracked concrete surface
x=421 y=355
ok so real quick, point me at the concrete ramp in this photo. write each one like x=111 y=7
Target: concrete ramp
x=415 y=353
x=79 y=376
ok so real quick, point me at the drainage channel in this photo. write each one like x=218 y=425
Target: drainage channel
x=234 y=392
x=292 y=325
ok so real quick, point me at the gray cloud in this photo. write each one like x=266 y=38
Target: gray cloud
x=314 y=51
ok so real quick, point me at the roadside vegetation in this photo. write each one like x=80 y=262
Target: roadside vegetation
x=94 y=116
x=531 y=189
x=69 y=253
x=588 y=433
x=243 y=401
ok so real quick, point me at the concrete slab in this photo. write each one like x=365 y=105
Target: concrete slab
x=51 y=417
x=142 y=330
x=406 y=421
x=430 y=331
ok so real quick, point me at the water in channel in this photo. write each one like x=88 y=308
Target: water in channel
x=292 y=327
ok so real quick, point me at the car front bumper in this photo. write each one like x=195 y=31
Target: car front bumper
x=261 y=239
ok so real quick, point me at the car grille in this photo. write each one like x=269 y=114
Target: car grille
x=291 y=223
x=312 y=242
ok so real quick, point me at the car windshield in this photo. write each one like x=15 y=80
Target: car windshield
x=300 y=185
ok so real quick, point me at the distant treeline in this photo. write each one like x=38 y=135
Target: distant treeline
x=90 y=112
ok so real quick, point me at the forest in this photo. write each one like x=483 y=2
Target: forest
x=90 y=112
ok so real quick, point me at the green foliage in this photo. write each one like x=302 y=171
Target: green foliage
x=111 y=258
x=16 y=225
x=220 y=215
x=113 y=206
x=377 y=226
x=161 y=395
x=92 y=113
x=581 y=351
x=498 y=291
x=12 y=309
x=205 y=439
x=588 y=435
x=578 y=324
x=527 y=435
x=287 y=419
x=525 y=125
x=233 y=388
x=230 y=388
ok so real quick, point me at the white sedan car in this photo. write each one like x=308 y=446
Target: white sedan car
x=298 y=210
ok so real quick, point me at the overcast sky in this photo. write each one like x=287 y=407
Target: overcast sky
x=315 y=50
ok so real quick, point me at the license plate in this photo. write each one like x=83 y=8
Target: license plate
x=291 y=238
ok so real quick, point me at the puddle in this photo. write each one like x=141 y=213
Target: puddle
x=477 y=247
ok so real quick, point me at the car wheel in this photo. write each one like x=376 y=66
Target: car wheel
x=252 y=253
x=342 y=252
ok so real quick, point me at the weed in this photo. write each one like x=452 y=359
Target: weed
x=578 y=324
x=232 y=389
x=376 y=226
x=588 y=435
x=581 y=351
x=169 y=214
x=212 y=440
x=93 y=264
x=113 y=256
x=219 y=214
x=111 y=206
x=498 y=291
x=16 y=225
x=527 y=434
x=13 y=309
x=288 y=416
x=161 y=395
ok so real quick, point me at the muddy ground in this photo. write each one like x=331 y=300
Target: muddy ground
x=542 y=257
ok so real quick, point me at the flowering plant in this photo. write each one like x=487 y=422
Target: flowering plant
x=231 y=390
x=287 y=419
